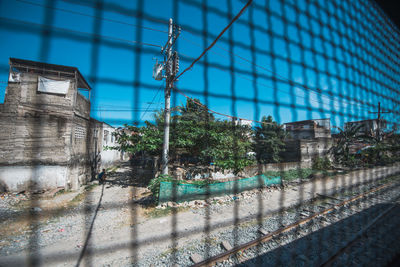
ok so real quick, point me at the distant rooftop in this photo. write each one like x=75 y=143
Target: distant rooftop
x=306 y=121
x=46 y=68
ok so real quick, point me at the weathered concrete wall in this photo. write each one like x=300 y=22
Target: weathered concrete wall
x=26 y=92
x=44 y=141
x=322 y=133
x=20 y=178
x=311 y=149
x=82 y=106
x=305 y=150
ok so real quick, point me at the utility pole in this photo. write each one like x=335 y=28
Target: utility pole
x=171 y=68
x=167 y=95
x=378 y=128
x=378 y=132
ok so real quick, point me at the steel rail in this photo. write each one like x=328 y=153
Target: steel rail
x=264 y=238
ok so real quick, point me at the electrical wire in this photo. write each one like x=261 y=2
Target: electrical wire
x=127 y=13
x=282 y=78
x=217 y=38
x=268 y=86
x=83 y=33
x=154 y=97
x=91 y=16
x=125 y=110
x=216 y=112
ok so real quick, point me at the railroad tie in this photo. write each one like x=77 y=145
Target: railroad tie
x=196 y=258
x=226 y=245
x=262 y=231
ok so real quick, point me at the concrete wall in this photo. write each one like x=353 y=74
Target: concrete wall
x=44 y=141
x=311 y=149
x=284 y=166
x=20 y=178
x=26 y=92
x=306 y=150
x=322 y=133
x=82 y=106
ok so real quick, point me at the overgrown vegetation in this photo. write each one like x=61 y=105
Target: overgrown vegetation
x=268 y=141
x=154 y=184
x=194 y=135
x=321 y=164
x=292 y=174
x=371 y=149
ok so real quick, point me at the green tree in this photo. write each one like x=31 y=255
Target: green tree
x=228 y=145
x=133 y=139
x=268 y=141
x=189 y=131
x=194 y=131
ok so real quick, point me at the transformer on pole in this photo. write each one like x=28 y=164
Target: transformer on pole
x=170 y=66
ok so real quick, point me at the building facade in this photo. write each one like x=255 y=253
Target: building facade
x=309 y=129
x=47 y=138
x=307 y=140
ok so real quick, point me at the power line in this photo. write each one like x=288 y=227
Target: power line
x=297 y=85
x=126 y=110
x=154 y=97
x=268 y=86
x=128 y=12
x=91 y=16
x=217 y=38
x=79 y=32
x=216 y=112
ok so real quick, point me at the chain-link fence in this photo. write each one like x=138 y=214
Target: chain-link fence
x=304 y=92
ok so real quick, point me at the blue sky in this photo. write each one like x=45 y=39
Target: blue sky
x=280 y=58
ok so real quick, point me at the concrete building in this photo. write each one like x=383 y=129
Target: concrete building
x=47 y=139
x=309 y=129
x=307 y=140
x=103 y=135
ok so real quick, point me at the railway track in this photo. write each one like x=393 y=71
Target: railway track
x=326 y=234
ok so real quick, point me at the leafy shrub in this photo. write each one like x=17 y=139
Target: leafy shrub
x=353 y=162
x=321 y=164
x=154 y=184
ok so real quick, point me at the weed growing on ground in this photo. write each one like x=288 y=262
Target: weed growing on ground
x=291 y=174
x=112 y=169
x=81 y=196
x=157 y=213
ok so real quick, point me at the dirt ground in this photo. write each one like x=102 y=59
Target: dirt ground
x=116 y=224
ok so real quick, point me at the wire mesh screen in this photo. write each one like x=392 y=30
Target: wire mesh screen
x=283 y=133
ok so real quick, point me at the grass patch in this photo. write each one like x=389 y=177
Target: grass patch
x=112 y=169
x=81 y=196
x=305 y=173
x=90 y=187
x=292 y=174
x=157 y=213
